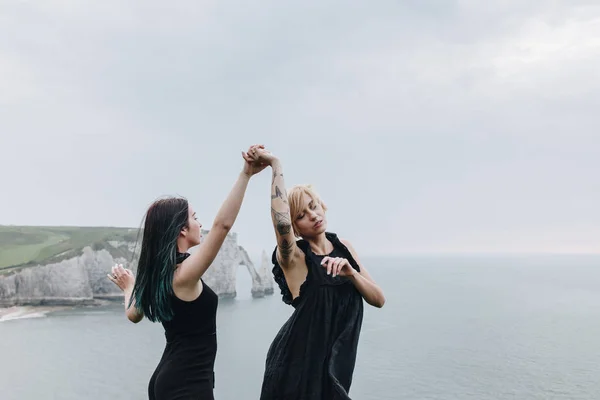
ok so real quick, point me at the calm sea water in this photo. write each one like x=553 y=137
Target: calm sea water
x=452 y=328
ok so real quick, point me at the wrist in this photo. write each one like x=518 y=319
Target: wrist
x=245 y=175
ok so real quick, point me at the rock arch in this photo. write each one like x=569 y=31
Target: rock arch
x=221 y=276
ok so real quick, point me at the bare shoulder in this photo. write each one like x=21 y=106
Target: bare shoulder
x=347 y=243
x=363 y=270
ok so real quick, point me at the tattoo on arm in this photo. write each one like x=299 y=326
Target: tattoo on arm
x=284 y=227
x=282 y=222
x=278 y=194
x=285 y=249
x=275 y=175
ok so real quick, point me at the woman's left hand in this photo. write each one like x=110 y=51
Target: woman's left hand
x=252 y=165
x=337 y=266
x=122 y=277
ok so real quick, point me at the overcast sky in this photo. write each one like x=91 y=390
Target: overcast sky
x=426 y=125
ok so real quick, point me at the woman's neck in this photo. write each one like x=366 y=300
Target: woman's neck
x=182 y=246
x=320 y=244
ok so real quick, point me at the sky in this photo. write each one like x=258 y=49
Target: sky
x=427 y=126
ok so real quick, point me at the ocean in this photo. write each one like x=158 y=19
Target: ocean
x=453 y=327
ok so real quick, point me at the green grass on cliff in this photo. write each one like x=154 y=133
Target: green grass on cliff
x=22 y=246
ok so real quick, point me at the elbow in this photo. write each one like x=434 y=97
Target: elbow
x=134 y=317
x=283 y=228
x=378 y=302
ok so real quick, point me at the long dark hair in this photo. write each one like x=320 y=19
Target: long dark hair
x=153 y=286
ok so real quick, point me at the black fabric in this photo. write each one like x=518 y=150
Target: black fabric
x=180 y=257
x=186 y=369
x=314 y=353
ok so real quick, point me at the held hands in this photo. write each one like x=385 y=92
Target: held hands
x=337 y=266
x=252 y=165
x=122 y=277
x=260 y=155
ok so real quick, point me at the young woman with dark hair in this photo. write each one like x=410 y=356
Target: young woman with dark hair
x=169 y=289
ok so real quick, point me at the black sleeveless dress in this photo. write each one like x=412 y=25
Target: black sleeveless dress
x=186 y=369
x=314 y=353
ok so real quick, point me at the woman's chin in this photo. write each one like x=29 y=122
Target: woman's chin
x=319 y=230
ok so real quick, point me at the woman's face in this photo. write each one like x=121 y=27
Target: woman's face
x=192 y=233
x=310 y=220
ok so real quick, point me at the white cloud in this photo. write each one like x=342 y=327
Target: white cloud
x=434 y=125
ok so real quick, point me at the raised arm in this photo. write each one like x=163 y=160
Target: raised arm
x=192 y=269
x=280 y=215
x=287 y=250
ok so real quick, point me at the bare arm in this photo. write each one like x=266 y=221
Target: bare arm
x=132 y=313
x=369 y=290
x=363 y=270
x=363 y=281
x=192 y=269
x=287 y=250
x=125 y=280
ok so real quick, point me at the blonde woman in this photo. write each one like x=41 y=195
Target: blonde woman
x=320 y=275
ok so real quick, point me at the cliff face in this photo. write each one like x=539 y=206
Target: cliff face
x=221 y=276
x=63 y=283
x=82 y=278
x=77 y=280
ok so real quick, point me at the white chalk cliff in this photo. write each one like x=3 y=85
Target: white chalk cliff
x=81 y=278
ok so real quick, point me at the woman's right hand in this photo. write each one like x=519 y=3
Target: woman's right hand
x=251 y=165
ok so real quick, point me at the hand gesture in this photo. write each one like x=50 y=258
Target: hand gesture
x=122 y=277
x=251 y=165
x=337 y=266
x=261 y=155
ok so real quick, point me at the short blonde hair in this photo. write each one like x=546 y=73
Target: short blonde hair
x=296 y=202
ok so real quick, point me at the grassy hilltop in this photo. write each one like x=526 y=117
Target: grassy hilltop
x=23 y=246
